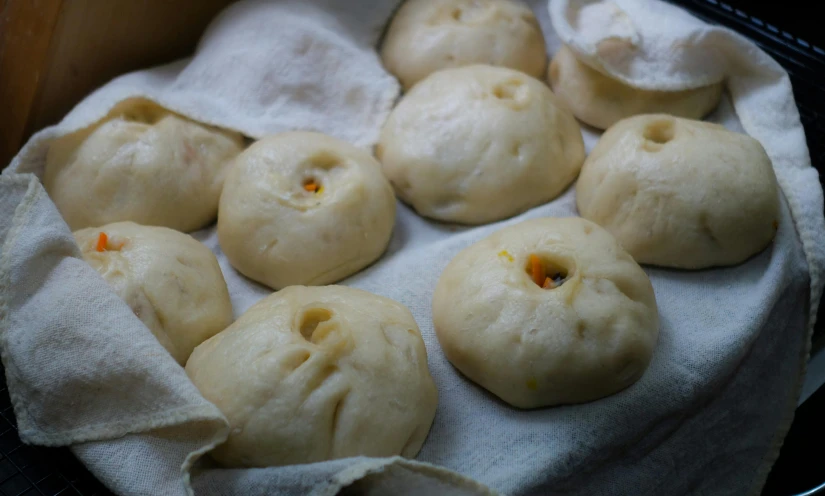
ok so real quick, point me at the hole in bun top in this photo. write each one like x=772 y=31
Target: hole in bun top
x=512 y=92
x=312 y=185
x=105 y=242
x=325 y=160
x=547 y=273
x=658 y=133
x=310 y=321
x=319 y=171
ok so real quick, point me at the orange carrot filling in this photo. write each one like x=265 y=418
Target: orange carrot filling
x=541 y=276
x=102 y=241
x=537 y=270
x=311 y=186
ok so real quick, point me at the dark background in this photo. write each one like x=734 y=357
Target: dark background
x=800 y=18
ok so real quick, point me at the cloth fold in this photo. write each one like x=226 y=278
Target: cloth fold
x=707 y=416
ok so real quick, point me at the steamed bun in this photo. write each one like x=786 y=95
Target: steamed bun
x=428 y=35
x=141 y=163
x=317 y=373
x=479 y=144
x=304 y=208
x=546 y=312
x=680 y=193
x=171 y=281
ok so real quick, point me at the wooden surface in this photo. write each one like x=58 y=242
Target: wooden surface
x=55 y=52
x=26 y=28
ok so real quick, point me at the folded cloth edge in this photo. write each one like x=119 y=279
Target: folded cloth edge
x=358 y=471
x=34 y=192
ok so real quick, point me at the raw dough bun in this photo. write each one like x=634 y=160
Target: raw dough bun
x=680 y=193
x=428 y=35
x=601 y=101
x=317 y=373
x=141 y=163
x=479 y=144
x=170 y=280
x=589 y=337
x=275 y=231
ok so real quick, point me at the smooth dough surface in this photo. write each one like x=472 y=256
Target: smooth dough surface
x=680 y=193
x=589 y=337
x=428 y=35
x=275 y=230
x=318 y=373
x=478 y=144
x=601 y=101
x=171 y=281
x=141 y=163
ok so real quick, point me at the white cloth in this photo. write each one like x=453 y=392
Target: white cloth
x=707 y=416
